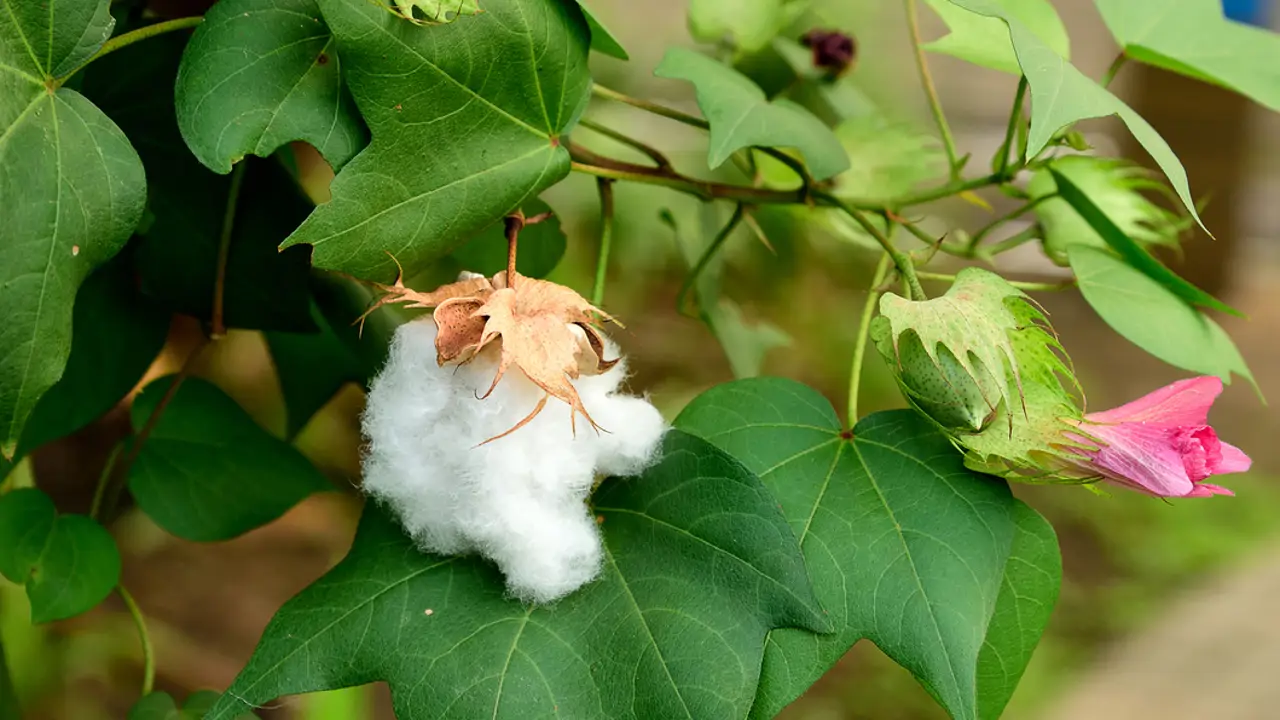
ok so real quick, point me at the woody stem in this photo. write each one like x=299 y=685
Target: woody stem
x=514 y=223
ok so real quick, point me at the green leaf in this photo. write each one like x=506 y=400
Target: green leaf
x=1152 y=317
x=985 y=40
x=177 y=255
x=71 y=187
x=436 y=11
x=258 y=74
x=312 y=368
x=1130 y=250
x=116 y=335
x=1192 y=37
x=741 y=116
x=1032 y=576
x=700 y=566
x=541 y=246
x=68 y=563
x=207 y=471
x=748 y=24
x=889 y=158
x=342 y=301
x=906 y=547
x=1114 y=186
x=1062 y=95
x=466 y=122
x=161 y=706
x=602 y=41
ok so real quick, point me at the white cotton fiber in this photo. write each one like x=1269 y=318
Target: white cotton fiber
x=519 y=500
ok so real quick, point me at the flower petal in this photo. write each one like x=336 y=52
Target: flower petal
x=1140 y=456
x=1208 y=490
x=1185 y=402
x=1233 y=461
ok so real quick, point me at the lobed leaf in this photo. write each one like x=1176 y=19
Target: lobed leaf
x=602 y=41
x=700 y=566
x=984 y=40
x=906 y=547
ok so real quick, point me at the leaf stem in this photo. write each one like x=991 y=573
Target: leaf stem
x=144 y=636
x=903 y=261
x=1114 y=68
x=864 y=332
x=131 y=37
x=926 y=81
x=1020 y=284
x=653 y=153
x=605 y=185
x=104 y=479
x=219 y=328
x=1026 y=235
x=692 y=278
x=1015 y=119
x=1013 y=214
x=651 y=107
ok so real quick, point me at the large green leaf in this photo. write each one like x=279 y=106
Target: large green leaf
x=258 y=74
x=700 y=566
x=117 y=334
x=906 y=547
x=1152 y=317
x=1129 y=249
x=1062 y=95
x=71 y=187
x=192 y=209
x=602 y=40
x=208 y=471
x=1193 y=37
x=1032 y=576
x=985 y=40
x=68 y=563
x=466 y=121
x=741 y=116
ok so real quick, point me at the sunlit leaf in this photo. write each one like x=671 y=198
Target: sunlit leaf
x=749 y=25
x=985 y=40
x=602 y=41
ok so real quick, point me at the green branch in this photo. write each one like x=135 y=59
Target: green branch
x=864 y=332
x=1114 y=68
x=692 y=278
x=132 y=37
x=926 y=81
x=606 y=239
x=144 y=637
x=903 y=261
x=219 y=329
x=1020 y=284
x=1001 y=166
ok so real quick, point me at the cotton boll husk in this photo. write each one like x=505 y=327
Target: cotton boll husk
x=519 y=500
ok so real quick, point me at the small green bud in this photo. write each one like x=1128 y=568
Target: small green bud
x=942 y=389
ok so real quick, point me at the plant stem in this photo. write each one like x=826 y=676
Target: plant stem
x=1015 y=119
x=692 y=278
x=1011 y=215
x=104 y=479
x=864 y=332
x=1027 y=234
x=655 y=108
x=148 y=651
x=926 y=80
x=1021 y=285
x=900 y=259
x=605 y=186
x=1114 y=69
x=219 y=328
x=653 y=153
x=132 y=37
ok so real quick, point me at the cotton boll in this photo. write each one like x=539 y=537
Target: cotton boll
x=519 y=500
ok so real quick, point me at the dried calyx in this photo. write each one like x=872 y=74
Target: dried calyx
x=546 y=330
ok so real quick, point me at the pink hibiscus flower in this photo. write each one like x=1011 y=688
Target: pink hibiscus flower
x=1161 y=444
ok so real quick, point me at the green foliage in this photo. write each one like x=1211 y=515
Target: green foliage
x=161 y=706
x=1061 y=95
x=741 y=116
x=985 y=40
x=906 y=547
x=888 y=158
x=748 y=26
x=437 y=11
x=312 y=368
x=410 y=193
x=541 y=246
x=72 y=190
x=1115 y=187
x=700 y=566
x=1193 y=38
x=1152 y=317
x=208 y=471
x=68 y=563
x=602 y=41
x=258 y=74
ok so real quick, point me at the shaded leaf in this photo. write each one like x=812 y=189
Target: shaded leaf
x=1152 y=317
x=177 y=256
x=1133 y=253
x=68 y=563
x=466 y=121
x=985 y=40
x=906 y=547
x=700 y=565
x=1062 y=95
x=741 y=116
x=1032 y=576
x=343 y=302
x=71 y=187
x=116 y=335
x=208 y=471
x=541 y=246
x=602 y=41
x=161 y=706
x=1192 y=37
x=312 y=368
x=258 y=74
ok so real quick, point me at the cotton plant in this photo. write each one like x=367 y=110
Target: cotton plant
x=534 y=539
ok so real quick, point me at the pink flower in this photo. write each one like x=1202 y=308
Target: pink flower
x=1161 y=444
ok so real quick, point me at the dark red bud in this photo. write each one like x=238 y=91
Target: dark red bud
x=833 y=51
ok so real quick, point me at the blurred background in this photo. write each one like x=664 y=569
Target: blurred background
x=1167 y=608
